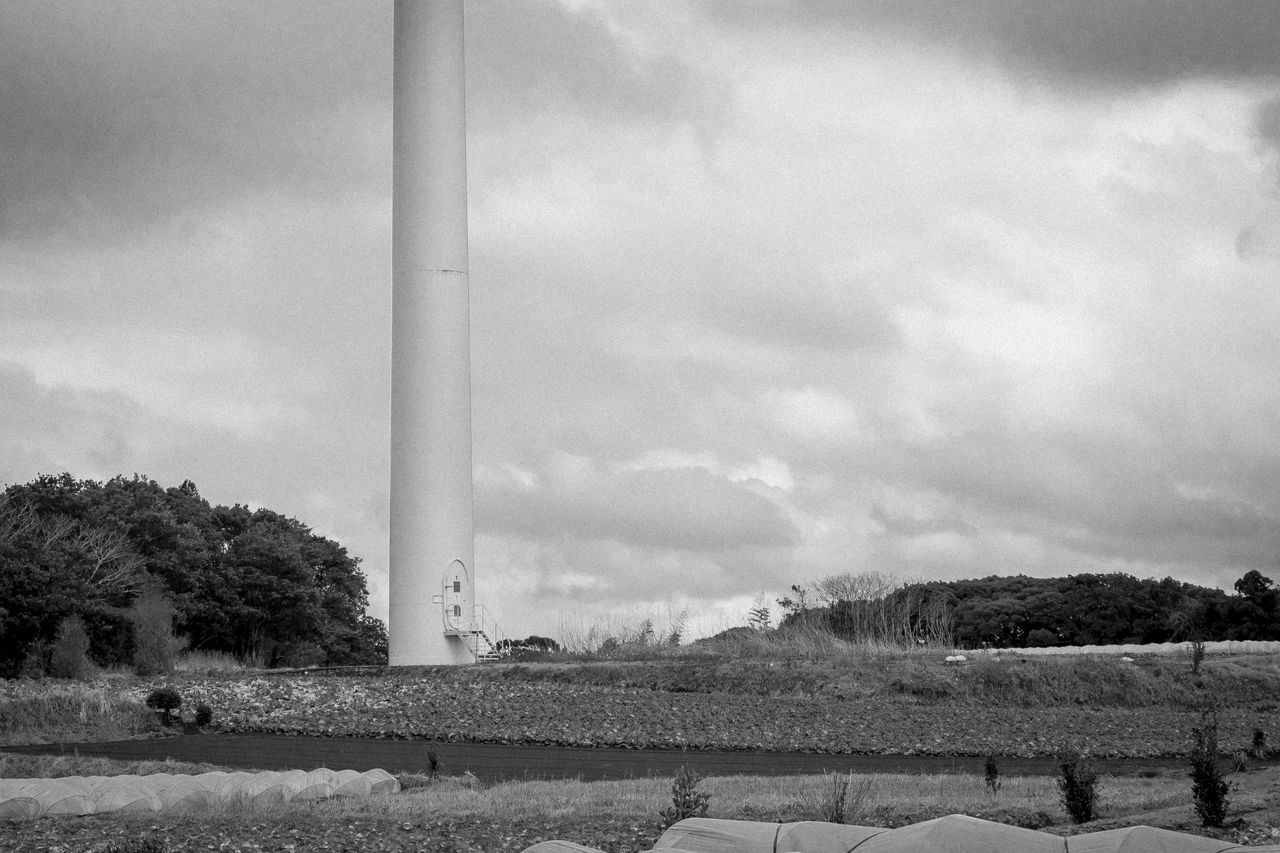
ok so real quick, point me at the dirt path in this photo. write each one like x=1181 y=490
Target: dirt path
x=499 y=762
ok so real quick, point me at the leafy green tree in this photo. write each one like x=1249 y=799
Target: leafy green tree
x=248 y=582
x=1254 y=585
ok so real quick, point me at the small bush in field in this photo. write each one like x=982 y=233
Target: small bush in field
x=1078 y=787
x=992 y=775
x=1258 y=749
x=424 y=777
x=204 y=715
x=1196 y=652
x=686 y=799
x=164 y=701
x=70 y=655
x=1208 y=788
x=842 y=802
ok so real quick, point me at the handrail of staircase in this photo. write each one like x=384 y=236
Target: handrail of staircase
x=485 y=623
x=482 y=627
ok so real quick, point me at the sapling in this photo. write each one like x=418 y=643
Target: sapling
x=1258 y=749
x=992 y=775
x=1196 y=652
x=686 y=799
x=1208 y=788
x=1078 y=787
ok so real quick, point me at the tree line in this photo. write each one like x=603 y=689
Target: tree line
x=1020 y=611
x=252 y=583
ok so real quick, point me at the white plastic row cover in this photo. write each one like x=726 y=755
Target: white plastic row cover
x=84 y=795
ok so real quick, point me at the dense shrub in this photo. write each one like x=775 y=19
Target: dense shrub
x=1208 y=788
x=1078 y=787
x=70 y=655
x=164 y=701
x=35 y=662
x=686 y=799
x=204 y=715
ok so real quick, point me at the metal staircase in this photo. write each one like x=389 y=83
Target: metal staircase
x=483 y=638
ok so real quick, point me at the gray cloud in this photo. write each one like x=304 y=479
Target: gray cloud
x=972 y=327
x=112 y=115
x=1268 y=122
x=527 y=58
x=1084 y=42
x=51 y=430
x=118 y=113
x=681 y=509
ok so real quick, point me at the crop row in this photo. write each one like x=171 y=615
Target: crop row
x=589 y=715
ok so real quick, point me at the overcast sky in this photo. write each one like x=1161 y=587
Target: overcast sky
x=761 y=291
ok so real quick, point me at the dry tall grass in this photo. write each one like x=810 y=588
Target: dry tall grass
x=204 y=662
x=37 y=712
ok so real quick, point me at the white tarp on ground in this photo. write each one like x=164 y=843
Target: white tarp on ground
x=814 y=836
x=962 y=834
x=711 y=835
x=83 y=795
x=1145 y=839
x=951 y=834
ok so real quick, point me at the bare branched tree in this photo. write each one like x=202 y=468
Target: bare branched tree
x=16 y=522
x=55 y=528
x=113 y=565
x=108 y=560
x=863 y=586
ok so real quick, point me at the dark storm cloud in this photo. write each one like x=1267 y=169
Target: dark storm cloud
x=120 y=112
x=116 y=114
x=682 y=509
x=1085 y=42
